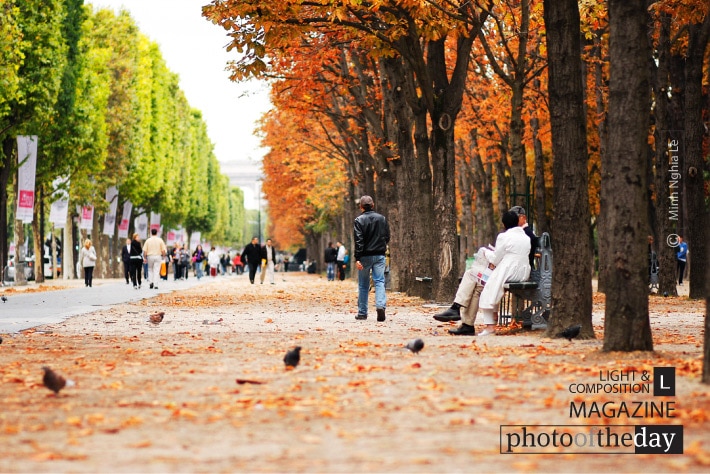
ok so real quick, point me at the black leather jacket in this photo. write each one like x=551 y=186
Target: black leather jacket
x=372 y=234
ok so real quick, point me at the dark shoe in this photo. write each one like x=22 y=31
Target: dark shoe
x=151 y=286
x=463 y=330
x=381 y=314
x=449 y=315
x=361 y=317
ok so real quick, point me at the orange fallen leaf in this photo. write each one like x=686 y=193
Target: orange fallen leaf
x=167 y=353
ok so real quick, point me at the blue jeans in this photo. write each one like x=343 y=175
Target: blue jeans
x=376 y=263
x=331 y=271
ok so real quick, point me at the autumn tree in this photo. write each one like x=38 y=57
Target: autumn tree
x=420 y=34
x=627 y=326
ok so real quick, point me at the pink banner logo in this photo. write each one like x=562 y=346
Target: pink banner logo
x=27 y=199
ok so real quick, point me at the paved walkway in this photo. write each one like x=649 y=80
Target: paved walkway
x=29 y=306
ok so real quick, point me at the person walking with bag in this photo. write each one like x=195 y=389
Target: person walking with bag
x=155 y=252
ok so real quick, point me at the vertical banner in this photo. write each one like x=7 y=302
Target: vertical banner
x=27 y=161
x=86 y=218
x=60 y=205
x=155 y=221
x=195 y=240
x=141 y=225
x=125 y=219
x=110 y=217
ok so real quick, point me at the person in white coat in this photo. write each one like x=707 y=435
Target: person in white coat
x=511 y=261
x=87 y=257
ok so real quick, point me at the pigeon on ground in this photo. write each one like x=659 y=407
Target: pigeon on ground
x=3 y=298
x=293 y=357
x=571 y=332
x=157 y=318
x=415 y=345
x=54 y=381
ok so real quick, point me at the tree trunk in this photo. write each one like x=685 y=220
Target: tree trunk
x=411 y=227
x=466 y=192
x=540 y=205
x=571 y=283
x=627 y=326
x=68 y=268
x=601 y=109
x=8 y=153
x=668 y=139
x=694 y=169
x=706 y=357
x=483 y=184
x=38 y=241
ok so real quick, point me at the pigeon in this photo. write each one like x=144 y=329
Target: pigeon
x=415 y=345
x=54 y=381
x=292 y=357
x=157 y=318
x=571 y=332
x=3 y=298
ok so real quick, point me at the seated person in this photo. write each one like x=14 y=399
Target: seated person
x=469 y=289
x=510 y=258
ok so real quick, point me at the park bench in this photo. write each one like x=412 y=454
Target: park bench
x=529 y=303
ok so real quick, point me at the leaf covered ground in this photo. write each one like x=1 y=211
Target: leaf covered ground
x=206 y=390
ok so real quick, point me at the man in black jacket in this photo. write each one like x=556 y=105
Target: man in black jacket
x=252 y=255
x=126 y=259
x=372 y=234
x=330 y=257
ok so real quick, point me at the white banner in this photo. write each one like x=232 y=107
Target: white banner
x=110 y=217
x=141 y=225
x=195 y=240
x=155 y=221
x=58 y=213
x=60 y=205
x=176 y=236
x=86 y=217
x=27 y=161
x=125 y=220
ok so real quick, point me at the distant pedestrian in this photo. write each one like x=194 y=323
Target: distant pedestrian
x=155 y=252
x=681 y=256
x=87 y=257
x=331 y=259
x=252 y=256
x=340 y=260
x=137 y=259
x=268 y=260
x=238 y=264
x=198 y=258
x=183 y=262
x=372 y=234
x=126 y=259
x=213 y=262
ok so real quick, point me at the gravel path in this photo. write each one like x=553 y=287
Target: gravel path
x=167 y=397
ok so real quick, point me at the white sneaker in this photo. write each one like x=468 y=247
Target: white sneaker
x=487 y=332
